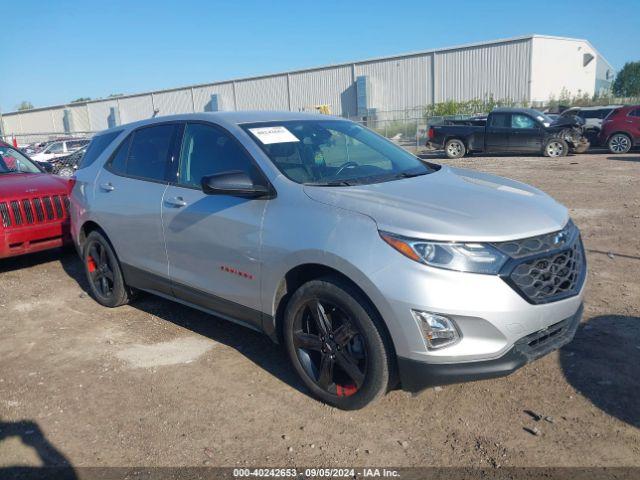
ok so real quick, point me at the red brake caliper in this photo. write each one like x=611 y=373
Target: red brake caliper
x=346 y=390
x=91 y=265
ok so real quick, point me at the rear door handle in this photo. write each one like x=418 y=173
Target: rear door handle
x=177 y=202
x=107 y=187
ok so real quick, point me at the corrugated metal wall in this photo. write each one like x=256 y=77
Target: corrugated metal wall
x=330 y=86
x=267 y=93
x=500 y=69
x=398 y=84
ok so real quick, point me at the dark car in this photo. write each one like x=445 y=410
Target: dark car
x=66 y=166
x=621 y=129
x=593 y=118
x=518 y=130
x=33 y=206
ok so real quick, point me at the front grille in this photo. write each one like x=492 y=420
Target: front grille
x=29 y=211
x=546 y=268
x=17 y=214
x=26 y=206
x=4 y=213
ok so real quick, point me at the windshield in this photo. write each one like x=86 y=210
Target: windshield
x=12 y=161
x=333 y=152
x=542 y=118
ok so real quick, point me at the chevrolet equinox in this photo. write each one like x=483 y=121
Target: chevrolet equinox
x=373 y=267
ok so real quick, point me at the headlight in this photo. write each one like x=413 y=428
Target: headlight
x=463 y=257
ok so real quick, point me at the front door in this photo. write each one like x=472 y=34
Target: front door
x=213 y=241
x=128 y=201
x=526 y=134
x=496 y=133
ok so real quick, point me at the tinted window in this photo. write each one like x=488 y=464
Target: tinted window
x=500 y=120
x=149 y=152
x=118 y=162
x=97 y=146
x=522 y=121
x=207 y=150
x=635 y=113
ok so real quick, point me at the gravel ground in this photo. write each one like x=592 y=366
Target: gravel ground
x=158 y=384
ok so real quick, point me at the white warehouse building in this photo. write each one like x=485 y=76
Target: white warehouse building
x=528 y=69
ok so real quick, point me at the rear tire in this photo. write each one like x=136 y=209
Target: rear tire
x=103 y=272
x=455 y=148
x=556 y=147
x=619 y=143
x=339 y=352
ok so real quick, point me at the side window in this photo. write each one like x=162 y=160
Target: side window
x=207 y=150
x=635 y=113
x=55 y=148
x=98 y=145
x=149 y=152
x=522 y=121
x=500 y=120
x=118 y=162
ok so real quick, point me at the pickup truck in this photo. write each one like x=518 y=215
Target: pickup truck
x=517 y=130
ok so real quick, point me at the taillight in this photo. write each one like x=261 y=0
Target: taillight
x=431 y=133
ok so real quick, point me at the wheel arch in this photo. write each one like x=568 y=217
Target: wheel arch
x=305 y=272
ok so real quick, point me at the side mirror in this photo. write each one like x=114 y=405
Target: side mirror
x=237 y=184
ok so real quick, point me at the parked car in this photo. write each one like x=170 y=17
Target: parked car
x=514 y=130
x=593 y=117
x=59 y=148
x=33 y=206
x=66 y=166
x=367 y=263
x=621 y=129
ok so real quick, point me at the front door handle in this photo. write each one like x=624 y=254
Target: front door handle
x=107 y=187
x=177 y=202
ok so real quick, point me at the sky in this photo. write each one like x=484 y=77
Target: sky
x=56 y=51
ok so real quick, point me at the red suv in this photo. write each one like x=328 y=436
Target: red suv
x=33 y=206
x=621 y=129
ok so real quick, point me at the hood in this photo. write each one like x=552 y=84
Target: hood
x=568 y=121
x=24 y=185
x=451 y=204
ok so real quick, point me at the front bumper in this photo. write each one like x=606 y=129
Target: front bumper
x=416 y=375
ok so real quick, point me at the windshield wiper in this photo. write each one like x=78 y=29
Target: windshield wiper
x=333 y=183
x=409 y=174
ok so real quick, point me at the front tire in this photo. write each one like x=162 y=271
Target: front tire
x=556 y=147
x=455 y=148
x=103 y=272
x=619 y=143
x=334 y=344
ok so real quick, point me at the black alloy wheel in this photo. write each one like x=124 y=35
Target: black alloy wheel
x=103 y=271
x=330 y=348
x=337 y=343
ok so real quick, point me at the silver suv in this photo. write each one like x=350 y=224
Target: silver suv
x=374 y=268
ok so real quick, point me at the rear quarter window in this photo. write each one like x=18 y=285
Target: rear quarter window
x=98 y=144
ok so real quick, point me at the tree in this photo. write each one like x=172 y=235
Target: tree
x=81 y=99
x=25 y=105
x=112 y=95
x=627 y=82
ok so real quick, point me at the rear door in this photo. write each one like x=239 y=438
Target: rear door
x=526 y=134
x=128 y=203
x=496 y=137
x=213 y=241
x=633 y=122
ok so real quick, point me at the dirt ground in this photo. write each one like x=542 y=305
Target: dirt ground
x=158 y=384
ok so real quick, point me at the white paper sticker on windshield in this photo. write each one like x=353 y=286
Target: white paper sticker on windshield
x=269 y=135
